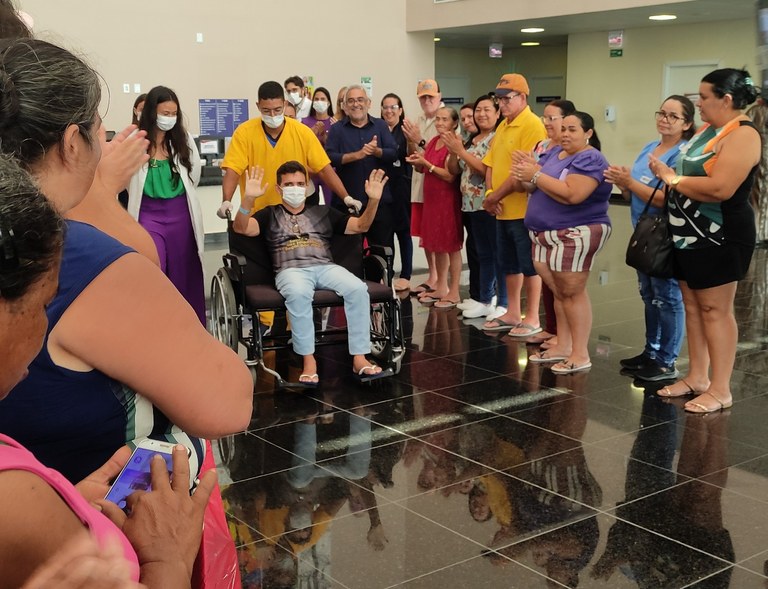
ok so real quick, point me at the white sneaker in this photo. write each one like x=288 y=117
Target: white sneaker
x=498 y=312
x=467 y=304
x=478 y=310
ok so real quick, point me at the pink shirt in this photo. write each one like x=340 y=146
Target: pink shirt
x=15 y=457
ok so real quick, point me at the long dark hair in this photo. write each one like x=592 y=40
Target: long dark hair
x=587 y=124
x=329 y=112
x=688 y=111
x=399 y=103
x=176 y=139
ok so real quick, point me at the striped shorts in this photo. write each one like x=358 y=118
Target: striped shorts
x=571 y=249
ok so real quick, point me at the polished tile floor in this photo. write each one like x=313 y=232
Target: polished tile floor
x=475 y=468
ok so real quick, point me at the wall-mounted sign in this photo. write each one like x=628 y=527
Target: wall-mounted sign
x=616 y=39
x=495 y=50
x=617 y=52
x=220 y=117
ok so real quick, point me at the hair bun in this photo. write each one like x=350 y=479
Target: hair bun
x=750 y=90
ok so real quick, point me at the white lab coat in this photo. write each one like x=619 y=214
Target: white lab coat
x=136 y=190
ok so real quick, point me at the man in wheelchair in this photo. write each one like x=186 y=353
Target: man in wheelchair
x=298 y=239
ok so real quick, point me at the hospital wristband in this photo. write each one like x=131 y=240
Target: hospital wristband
x=244 y=211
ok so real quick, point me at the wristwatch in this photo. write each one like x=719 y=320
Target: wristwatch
x=422 y=143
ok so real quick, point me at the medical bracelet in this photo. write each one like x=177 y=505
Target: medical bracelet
x=535 y=177
x=432 y=168
x=245 y=211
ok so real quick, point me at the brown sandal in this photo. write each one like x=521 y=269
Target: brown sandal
x=703 y=409
x=670 y=395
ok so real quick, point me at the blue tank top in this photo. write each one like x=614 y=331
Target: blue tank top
x=74 y=421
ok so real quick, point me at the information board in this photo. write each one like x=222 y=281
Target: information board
x=220 y=117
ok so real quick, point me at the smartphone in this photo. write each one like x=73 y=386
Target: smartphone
x=136 y=475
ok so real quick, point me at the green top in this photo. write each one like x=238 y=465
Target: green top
x=161 y=181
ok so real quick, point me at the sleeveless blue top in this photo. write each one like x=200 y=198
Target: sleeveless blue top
x=74 y=421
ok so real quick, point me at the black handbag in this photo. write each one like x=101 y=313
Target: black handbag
x=650 y=247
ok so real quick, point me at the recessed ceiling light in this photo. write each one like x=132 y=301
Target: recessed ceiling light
x=532 y=30
x=436 y=39
x=662 y=17
x=530 y=44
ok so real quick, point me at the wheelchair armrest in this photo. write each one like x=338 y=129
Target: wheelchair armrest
x=235 y=265
x=235 y=259
x=379 y=263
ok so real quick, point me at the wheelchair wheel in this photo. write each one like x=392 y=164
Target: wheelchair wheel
x=385 y=345
x=223 y=325
x=226 y=450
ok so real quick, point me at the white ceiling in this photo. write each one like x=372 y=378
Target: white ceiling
x=558 y=28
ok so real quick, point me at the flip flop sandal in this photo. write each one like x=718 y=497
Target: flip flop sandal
x=544 y=357
x=570 y=367
x=529 y=330
x=670 y=395
x=445 y=304
x=362 y=377
x=423 y=287
x=311 y=383
x=428 y=301
x=501 y=325
x=703 y=409
x=401 y=285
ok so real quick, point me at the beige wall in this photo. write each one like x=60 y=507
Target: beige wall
x=239 y=51
x=482 y=72
x=425 y=15
x=634 y=82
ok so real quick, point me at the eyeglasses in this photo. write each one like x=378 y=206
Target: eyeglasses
x=358 y=100
x=508 y=98
x=550 y=119
x=391 y=107
x=667 y=116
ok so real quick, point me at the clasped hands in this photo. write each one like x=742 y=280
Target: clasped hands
x=524 y=166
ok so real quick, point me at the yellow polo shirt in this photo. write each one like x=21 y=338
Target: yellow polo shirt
x=524 y=132
x=250 y=147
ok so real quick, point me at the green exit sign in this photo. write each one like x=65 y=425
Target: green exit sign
x=617 y=52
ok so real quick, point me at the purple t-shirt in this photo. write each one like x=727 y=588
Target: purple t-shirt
x=545 y=214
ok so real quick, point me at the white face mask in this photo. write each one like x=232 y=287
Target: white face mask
x=294 y=196
x=273 y=122
x=294 y=97
x=320 y=106
x=166 y=123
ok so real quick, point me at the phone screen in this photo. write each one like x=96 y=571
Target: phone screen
x=135 y=476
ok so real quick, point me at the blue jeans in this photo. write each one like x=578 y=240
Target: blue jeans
x=491 y=278
x=514 y=250
x=298 y=285
x=664 y=317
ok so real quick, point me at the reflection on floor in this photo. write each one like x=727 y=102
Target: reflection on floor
x=475 y=468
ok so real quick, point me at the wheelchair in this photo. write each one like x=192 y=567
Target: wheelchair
x=244 y=288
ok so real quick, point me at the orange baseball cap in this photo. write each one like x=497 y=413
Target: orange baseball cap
x=512 y=83
x=427 y=88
